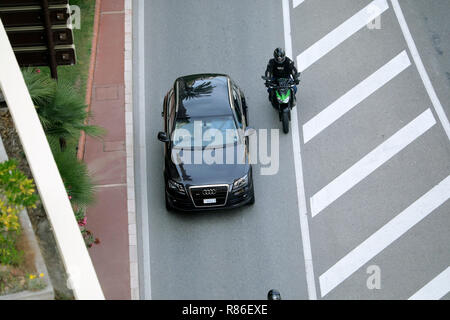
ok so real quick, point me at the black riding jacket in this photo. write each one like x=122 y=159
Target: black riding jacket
x=283 y=70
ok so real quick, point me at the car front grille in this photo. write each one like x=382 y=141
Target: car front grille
x=202 y=193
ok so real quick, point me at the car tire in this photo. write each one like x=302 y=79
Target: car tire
x=252 y=201
x=168 y=205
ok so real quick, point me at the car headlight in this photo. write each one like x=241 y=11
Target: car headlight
x=242 y=182
x=173 y=185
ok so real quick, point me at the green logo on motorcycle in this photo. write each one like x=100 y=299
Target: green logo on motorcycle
x=284 y=97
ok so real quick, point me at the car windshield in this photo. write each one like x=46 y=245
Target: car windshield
x=210 y=132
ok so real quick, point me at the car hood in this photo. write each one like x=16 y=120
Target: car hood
x=206 y=174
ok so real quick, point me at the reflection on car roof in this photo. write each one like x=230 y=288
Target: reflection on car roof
x=203 y=95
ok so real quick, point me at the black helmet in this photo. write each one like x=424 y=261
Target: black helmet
x=273 y=295
x=279 y=55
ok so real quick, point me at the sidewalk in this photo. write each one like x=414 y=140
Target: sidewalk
x=110 y=216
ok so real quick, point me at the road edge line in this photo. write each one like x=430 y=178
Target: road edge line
x=301 y=195
x=421 y=68
x=141 y=156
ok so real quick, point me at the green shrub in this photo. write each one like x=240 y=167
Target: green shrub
x=35 y=282
x=17 y=192
x=9 y=255
x=13 y=280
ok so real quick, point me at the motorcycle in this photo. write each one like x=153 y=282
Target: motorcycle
x=282 y=98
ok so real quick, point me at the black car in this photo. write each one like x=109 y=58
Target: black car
x=214 y=103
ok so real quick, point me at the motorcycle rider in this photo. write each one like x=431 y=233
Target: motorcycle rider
x=281 y=66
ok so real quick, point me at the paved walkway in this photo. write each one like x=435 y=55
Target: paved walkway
x=107 y=159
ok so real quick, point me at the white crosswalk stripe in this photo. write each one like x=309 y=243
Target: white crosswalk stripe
x=390 y=232
x=435 y=289
x=341 y=33
x=346 y=181
x=356 y=95
x=371 y=162
x=296 y=3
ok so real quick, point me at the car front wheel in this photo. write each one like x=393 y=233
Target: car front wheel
x=168 y=205
x=252 y=202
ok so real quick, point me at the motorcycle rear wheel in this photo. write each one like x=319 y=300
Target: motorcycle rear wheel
x=285 y=120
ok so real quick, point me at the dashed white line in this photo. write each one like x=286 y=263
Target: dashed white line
x=435 y=289
x=341 y=33
x=296 y=3
x=355 y=96
x=421 y=68
x=301 y=195
x=371 y=162
x=381 y=239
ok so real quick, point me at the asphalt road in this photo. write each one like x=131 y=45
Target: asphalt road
x=418 y=255
x=390 y=143
x=239 y=254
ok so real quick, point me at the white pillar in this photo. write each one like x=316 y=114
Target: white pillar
x=77 y=262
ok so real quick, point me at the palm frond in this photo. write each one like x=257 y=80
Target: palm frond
x=61 y=110
x=76 y=178
x=93 y=131
x=41 y=87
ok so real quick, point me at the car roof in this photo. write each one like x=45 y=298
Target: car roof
x=203 y=95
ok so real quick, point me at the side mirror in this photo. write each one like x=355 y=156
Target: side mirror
x=249 y=132
x=162 y=136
